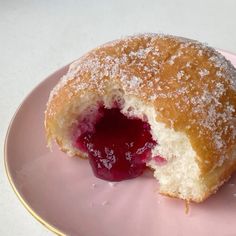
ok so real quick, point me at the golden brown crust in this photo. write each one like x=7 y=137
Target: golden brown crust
x=191 y=87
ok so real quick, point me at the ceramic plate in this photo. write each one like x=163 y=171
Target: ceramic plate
x=62 y=193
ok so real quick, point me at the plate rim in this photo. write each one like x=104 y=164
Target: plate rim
x=47 y=225
x=7 y=172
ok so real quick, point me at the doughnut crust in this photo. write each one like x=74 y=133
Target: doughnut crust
x=189 y=88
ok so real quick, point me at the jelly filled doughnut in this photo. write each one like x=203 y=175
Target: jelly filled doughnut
x=150 y=100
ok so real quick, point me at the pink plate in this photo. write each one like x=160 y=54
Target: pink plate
x=62 y=193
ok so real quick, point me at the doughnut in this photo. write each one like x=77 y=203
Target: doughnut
x=150 y=101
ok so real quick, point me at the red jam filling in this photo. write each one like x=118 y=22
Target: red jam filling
x=118 y=147
x=160 y=161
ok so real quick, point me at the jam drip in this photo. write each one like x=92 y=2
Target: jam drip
x=118 y=147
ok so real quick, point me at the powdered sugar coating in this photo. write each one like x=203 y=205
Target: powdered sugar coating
x=192 y=86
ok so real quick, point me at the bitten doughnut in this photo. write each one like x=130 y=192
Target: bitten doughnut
x=150 y=100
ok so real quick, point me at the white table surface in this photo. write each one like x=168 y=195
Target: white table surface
x=38 y=37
